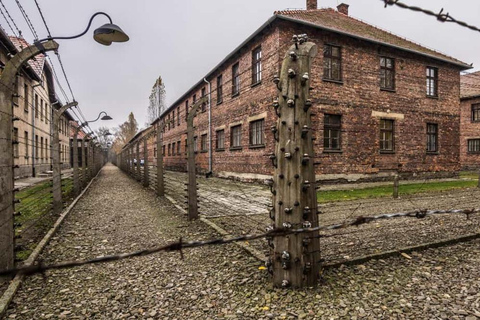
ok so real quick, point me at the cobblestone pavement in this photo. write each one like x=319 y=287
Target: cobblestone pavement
x=223 y=282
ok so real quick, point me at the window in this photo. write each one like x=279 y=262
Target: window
x=163 y=150
x=235 y=80
x=476 y=112
x=195 y=147
x=186 y=109
x=203 y=142
x=386 y=135
x=236 y=137
x=43 y=112
x=154 y=152
x=474 y=146
x=169 y=124
x=178 y=116
x=256 y=133
x=219 y=89
x=46 y=148
x=36 y=146
x=178 y=147
x=204 y=104
x=25 y=138
x=220 y=142
x=25 y=97
x=37 y=107
x=257 y=65
x=432 y=137
x=186 y=146
x=331 y=132
x=387 y=73
x=332 y=63
x=173 y=118
x=15 y=142
x=41 y=148
x=432 y=82
x=173 y=149
x=47 y=112
x=169 y=149
x=194 y=99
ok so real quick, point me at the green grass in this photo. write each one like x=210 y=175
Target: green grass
x=468 y=175
x=34 y=207
x=386 y=191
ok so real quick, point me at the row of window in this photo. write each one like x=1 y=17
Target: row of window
x=41 y=146
x=476 y=112
x=256 y=139
x=174 y=118
x=332 y=70
x=333 y=129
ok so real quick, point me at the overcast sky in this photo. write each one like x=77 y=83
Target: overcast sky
x=181 y=41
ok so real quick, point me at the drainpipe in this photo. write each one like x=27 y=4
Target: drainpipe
x=33 y=128
x=209 y=127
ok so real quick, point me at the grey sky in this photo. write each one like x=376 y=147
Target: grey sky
x=183 y=40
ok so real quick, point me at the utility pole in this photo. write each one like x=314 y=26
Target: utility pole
x=145 y=162
x=295 y=258
x=160 y=182
x=7 y=92
x=192 y=178
x=138 y=175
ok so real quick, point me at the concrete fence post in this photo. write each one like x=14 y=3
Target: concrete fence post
x=160 y=182
x=145 y=162
x=395 y=186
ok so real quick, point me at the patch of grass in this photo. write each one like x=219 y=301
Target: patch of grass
x=469 y=175
x=386 y=191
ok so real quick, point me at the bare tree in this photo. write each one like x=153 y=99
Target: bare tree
x=125 y=132
x=157 y=101
x=104 y=136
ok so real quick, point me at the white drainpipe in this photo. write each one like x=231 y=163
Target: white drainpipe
x=209 y=126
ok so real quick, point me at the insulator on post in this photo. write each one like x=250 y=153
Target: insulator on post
x=273 y=158
x=306 y=159
x=306 y=242
x=287 y=225
x=291 y=103
x=306 y=213
x=307 y=268
x=15 y=119
x=275 y=131
x=16 y=201
x=288 y=210
x=296 y=204
x=288 y=155
x=18 y=213
x=296 y=176
x=306 y=185
x=293 y=55
x=276 y=79
x=308 y=104
x=272 y=214
x=291 y=73
x=305 y=130
x=307 y=224
x=285 y=284
x=305 y=78
x=285 y=259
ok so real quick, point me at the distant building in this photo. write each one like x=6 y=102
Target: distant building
x=382 y=104
x=157 y=101
x=470 y=120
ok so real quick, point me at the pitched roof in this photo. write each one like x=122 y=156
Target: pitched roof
x=332 y=20
x=470 y=85
x=36 y=63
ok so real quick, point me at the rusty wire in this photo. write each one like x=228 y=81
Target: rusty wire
x=180 y=245
x=442 y=17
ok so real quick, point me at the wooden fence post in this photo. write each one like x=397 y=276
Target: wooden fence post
x=295 y=258
x=192 y=178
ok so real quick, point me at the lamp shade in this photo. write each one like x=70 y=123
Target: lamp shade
x=109 y=33
x=106 y=117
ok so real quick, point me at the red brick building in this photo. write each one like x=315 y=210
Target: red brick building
x=382 y=104
x=470 y=120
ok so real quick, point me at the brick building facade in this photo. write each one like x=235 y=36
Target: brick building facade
x=382 y=105
x=33 y=102
x=470 y=121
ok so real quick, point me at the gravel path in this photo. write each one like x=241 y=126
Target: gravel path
x=223 y=282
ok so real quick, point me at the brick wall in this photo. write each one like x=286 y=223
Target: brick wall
x=469 y=130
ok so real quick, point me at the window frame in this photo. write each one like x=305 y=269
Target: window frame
x=387 y=130
x=220 y=89
x=179 y=147
x=195 y=144
x=204 y=104
x=16 y=143
x=432 y=82
x=236 y=79
x=475 y=112
x=203 y=142
x=384 y=71
x=329 y=128
x=234 y=135
x=476 y=146
x=431 y=134
x=257 y=66
x=329 y=58
x=217 y=140
x=256 y=131
x=173 y=148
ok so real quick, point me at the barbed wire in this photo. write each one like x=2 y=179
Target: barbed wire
x=442 y=17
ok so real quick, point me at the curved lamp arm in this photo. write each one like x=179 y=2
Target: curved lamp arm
x=81 y=34
x=87 y=122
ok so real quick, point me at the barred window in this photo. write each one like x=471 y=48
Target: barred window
x=332 y=63
x=178 y=147
x=169 y=149
x=256 y=132
x=203 y=142
x=26 y=144
x=195 y=147
x=26 y=102
x=257 y=65
x=186 y=109
x=474 y=145
x=220 y=142
x=432 y=82
x=476 y=112
x=178 y=116
x=235 y=79
x=173 y=118
x=236 y=136
x=432 y=137
x=387 y=73
x=331 y=132
x=173 y=148
x=204 y=104
x=219 y=89
x=163 y=150
x=386 y=135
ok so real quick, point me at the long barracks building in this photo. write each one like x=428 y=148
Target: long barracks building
x=382 y=104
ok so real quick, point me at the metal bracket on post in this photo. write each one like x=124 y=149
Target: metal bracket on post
x=294 y=260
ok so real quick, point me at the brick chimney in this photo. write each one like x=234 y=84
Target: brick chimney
x=312 y=4
x=343 y=8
